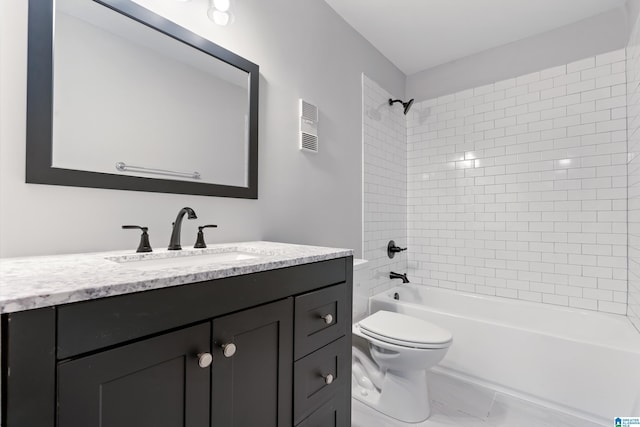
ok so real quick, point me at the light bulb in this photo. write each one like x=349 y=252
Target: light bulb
x=222 y=5
x=220 y=18
x=220 y=12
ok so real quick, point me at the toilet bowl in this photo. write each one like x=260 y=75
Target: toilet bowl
x=391 y=375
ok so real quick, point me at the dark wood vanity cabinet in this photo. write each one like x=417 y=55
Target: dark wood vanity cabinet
x=279 y=344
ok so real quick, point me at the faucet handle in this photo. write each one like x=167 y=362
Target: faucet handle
x=144 y=245
x=200 y=244
x=392 y=249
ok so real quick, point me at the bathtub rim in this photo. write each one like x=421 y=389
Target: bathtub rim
x=633 y=346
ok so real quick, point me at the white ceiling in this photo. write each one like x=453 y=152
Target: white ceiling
x=420 y=34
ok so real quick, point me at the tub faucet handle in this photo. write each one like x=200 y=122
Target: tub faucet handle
x=392 y=249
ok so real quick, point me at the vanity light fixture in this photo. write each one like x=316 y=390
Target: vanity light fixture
x=220 y=12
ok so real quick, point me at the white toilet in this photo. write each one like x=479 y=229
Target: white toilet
x=392 y=376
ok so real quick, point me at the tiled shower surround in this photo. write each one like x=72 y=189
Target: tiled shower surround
x=384 y=192
x=519 y=188
x=633 y=123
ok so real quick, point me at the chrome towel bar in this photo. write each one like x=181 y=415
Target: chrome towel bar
x=121 y=166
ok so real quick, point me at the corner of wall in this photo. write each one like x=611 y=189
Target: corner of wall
x=384 y=192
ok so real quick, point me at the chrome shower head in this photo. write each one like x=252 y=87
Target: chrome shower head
x=407 y=105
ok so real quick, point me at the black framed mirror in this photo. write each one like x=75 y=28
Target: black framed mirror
x=107 y=107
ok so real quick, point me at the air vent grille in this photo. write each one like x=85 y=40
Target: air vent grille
x=309 y=111
x=309 y=142
x=308 y=127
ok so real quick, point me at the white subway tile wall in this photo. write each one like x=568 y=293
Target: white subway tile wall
x=633 y=167
x=519 y=188
x=384 y=190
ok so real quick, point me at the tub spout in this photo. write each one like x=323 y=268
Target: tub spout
x=374 y=373
x=393 y=275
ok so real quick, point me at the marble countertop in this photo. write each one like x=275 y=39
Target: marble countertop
x=43 y=281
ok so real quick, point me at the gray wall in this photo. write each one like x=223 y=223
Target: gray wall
x=305 y=51
x=601 y=33
x=632 y=8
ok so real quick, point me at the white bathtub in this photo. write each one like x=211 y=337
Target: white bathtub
x=583 y=362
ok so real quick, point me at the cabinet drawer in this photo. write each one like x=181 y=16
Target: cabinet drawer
x=320 y=318
x=311 y=387
x=334 y=413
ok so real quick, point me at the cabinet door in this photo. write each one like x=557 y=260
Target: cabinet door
x=252 y=387
x=155 y=382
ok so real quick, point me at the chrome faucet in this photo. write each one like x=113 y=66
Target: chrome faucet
x=393 y=275
x=174 y=243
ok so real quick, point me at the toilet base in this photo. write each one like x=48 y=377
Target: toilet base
x=365 y=416
x=403 y=396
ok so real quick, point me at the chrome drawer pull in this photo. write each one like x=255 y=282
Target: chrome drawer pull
x=328 y=379
x=204 y=360
x=328 y=319
x=228 y=349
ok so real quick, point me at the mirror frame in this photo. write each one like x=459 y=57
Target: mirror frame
x=39 y=168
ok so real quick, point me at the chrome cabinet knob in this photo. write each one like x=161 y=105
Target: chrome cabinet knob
x=228 y=349
x=204 y=360
x=328 y=379
x=328 y=319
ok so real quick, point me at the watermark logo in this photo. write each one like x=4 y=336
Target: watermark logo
x=627 y=422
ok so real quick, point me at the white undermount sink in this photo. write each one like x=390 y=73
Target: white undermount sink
x=169 y=260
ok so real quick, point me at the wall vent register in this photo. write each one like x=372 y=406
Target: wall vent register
x=308 y=127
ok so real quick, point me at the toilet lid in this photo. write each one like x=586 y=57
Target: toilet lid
x=405 y=330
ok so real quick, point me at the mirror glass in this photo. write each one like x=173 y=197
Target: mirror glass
x=125 y=94
x=136 y=98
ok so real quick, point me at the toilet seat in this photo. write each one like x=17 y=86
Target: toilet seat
x=405 y=331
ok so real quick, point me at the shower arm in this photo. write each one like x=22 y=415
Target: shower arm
x=407 y=105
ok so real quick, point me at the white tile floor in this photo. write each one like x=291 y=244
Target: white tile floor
x=459 y=404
